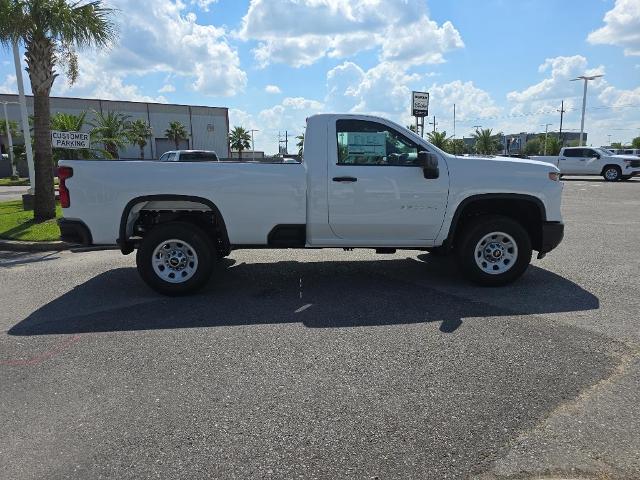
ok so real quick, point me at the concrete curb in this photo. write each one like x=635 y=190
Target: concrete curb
x=23 y=246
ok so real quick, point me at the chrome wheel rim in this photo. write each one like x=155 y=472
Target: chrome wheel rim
x=174 y=261
x=611 y=174
x=496 y=253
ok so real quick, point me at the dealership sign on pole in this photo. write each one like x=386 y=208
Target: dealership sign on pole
x=72 y=140
x=420 y=109
x=420 y=104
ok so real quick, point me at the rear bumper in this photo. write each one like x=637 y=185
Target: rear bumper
x=74 y=231
x=552 y=234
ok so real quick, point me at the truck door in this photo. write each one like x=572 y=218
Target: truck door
x=591 y=162
x=570 y=161
x=377 y=191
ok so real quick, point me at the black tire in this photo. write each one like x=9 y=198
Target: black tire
x=612 y=173
x=474 y=232
x=191 y=235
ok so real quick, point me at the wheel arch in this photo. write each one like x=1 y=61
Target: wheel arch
x=126 y=220
x=526 y=209
x=611 y=165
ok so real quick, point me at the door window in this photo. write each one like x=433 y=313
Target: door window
x=361 y=142
x=573 y=152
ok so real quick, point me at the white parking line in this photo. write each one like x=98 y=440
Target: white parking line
x=303 y=308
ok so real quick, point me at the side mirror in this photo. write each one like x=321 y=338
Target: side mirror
x=429 y=163
x=598 y=156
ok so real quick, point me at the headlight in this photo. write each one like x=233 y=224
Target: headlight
x=555 y=176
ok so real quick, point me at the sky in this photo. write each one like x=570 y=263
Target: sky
x=505 y=64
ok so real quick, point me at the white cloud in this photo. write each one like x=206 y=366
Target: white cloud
x=9 y=85
x=290 y=115
x=385 y=90
x=94 y=83
x=622 y=27
x=272 y=89
x=308 y=30
x=159 y=36
x=557 y=85
x=203 y=4
x=167 y=88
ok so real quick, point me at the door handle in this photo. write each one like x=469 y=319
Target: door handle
x=345 y=179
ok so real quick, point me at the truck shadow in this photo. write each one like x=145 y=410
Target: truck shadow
x=318 y=295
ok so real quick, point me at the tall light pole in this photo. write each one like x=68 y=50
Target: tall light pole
x=584 y=101
x=26 y=132
x=14 y=172
x=546 y=132
x=253 y=147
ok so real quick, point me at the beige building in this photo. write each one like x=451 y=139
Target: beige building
x=208 y=127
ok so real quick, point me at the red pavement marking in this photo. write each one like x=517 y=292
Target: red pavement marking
x=43 y=356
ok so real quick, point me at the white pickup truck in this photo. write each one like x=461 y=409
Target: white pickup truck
x=594 y=161
x=364 y=182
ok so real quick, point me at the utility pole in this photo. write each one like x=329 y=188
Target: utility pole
x=546 y=132
x=253 y=146
x=14 y=172
x=434 y=124
x=584 y=101
x=477 y=127
x=609 y=139
x=562 y=110
x=285 y=141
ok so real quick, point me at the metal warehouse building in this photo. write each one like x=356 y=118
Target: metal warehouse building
x=208 y=127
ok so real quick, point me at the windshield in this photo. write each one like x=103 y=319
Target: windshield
x=603 y=151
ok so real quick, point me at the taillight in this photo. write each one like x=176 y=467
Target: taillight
x=63 y=191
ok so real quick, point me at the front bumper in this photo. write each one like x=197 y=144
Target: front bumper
x=552 y=234
x=74 y=231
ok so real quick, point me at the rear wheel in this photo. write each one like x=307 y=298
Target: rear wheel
x=175 y=258
x=494 y=250
x=612 y=173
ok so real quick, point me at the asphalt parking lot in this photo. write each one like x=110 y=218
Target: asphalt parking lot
x=331 y=364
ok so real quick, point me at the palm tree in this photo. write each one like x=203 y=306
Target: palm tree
x=300 y=143
x=110 y=130
x=239 y=139
x=176 y=132
x=51 y=31
x=139 y=132
x=486 y=142
x=438 y=139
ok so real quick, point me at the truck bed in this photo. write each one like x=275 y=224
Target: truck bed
x=101 y=189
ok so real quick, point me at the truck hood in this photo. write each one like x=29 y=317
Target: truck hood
x=509 y=161
x=626 y=157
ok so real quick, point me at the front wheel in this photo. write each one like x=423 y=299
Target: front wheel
x=612 y=173
x=175 y=258
x=494 y=250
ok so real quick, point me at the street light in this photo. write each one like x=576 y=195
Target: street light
x=546 y=132
x=253 y=147
x=14 y=171
x=584 y=100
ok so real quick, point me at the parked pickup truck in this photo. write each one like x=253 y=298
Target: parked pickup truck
x=189 y=156
x=594 y=161
x=364 y=182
